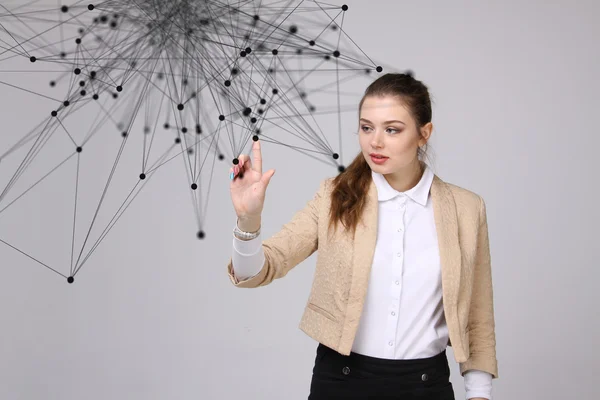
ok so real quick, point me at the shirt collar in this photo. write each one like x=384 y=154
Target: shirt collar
x=419 y=193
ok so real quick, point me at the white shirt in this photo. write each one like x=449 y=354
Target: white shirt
x=403 y=314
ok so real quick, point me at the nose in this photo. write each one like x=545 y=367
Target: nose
x=376 y=140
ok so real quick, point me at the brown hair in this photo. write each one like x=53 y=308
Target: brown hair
x=349 y=193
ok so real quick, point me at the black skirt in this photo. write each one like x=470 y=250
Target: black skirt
x=336 y=376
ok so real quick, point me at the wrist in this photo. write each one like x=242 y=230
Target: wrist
x=249 y=224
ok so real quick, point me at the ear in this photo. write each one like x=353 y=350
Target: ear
x=425 y=133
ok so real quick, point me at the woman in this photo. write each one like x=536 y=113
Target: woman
x=395 y=283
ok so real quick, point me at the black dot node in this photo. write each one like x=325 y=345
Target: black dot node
x=63 y=54
x=236 y=161
x=221 y=157
x=336 y=53
x=242 y=53
x=142 y=176
x=312 y=43
x=70 y=279
x=379 y=69
x=234 y=71
x=255 y=138
x=253 y=120
x=221 y=117
x=119 y=88
x=78 y=41
x=327 y=57
x=77 y=71
x=345 y=7
x=256 y=17
x=83 y=93
x=177 y=140
x=180 y=107
x=341 y=168
x=82 y=83
x=227 y=83
x=64 y=9
x=247 y=111
x=54 y=113
x=95 y=97
x=184 y=129
x=201 y=235
x=32 y=59
x=293 y=29
x=336 y=156
x=194 y=186
x=124 y=134
x=263 y=101
x=261 y=111
x=91 y=7
x=93 y=74
x=248 y=50
x=275 y=91
x=115 y=95
x=79 y=149
x=198 y=129
x=52 y=83
x=166 y=125
x=66 y=103
x=274 y=52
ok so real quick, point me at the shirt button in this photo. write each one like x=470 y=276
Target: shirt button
x=397 y=282
x=391 y=343
x=424 y=377
x=399 y=229
x=345 y=370
x=393 y=313
x=399 y=254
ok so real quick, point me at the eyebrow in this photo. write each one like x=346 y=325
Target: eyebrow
x=385 y=122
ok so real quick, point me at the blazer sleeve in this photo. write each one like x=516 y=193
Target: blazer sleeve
x=482 y=337
x=294 y=242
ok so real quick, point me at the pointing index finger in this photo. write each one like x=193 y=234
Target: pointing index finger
x=256 y=157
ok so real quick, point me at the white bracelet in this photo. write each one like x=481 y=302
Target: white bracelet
x=243 y=235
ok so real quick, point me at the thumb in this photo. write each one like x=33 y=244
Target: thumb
x=266 y=178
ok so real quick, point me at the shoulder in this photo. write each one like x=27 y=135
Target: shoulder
x=467 y=201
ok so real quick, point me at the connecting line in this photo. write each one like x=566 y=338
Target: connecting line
x=34 y=259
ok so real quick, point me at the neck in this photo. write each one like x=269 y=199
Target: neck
x=406 y=178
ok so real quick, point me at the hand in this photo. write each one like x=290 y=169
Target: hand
x=248 y=192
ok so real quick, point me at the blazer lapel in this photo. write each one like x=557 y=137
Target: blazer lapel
x=446 y=222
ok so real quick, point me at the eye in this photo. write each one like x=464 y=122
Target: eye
x=364 y=127
x=393 y=129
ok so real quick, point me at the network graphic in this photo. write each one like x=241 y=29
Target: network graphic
x=187 y=81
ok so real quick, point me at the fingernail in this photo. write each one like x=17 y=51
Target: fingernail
x=231 y=176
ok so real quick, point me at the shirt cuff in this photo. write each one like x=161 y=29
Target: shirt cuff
x=478 y=384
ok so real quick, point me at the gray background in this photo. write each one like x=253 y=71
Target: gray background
x=154 y=316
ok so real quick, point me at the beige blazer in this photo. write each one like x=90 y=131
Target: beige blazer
x=342 y=271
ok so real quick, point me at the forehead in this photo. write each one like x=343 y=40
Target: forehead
x=380 y=107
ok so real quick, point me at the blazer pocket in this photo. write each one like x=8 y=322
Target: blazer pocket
x=321 y=311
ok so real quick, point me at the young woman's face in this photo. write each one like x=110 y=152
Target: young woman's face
x=387 y=128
